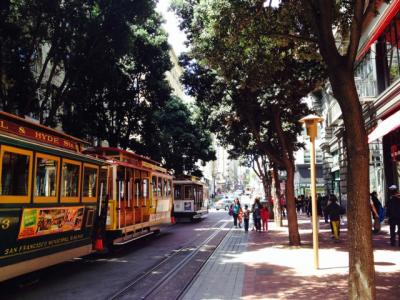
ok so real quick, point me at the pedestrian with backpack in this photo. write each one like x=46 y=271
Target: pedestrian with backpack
x=257 y=214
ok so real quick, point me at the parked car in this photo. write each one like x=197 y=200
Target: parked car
x=223 y=204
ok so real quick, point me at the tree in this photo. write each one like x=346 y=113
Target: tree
x=317 y=20
x=257 y=120
x=179 y=141
x=121 y=85
x=313 y=23
x=265 y=75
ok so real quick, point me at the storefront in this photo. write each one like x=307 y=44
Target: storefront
x=391 y=147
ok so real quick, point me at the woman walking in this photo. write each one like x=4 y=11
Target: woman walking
x=236 y=210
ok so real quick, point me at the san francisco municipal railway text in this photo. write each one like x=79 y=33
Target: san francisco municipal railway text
x=40 y=245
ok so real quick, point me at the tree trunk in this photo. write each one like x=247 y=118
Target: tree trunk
x=294 y=236
x=361 y=260
x=275 y=194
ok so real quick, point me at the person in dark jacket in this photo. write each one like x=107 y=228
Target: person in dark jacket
x=393 y=212
x=333 y=210
x=376 y=208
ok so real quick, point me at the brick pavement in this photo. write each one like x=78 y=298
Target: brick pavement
x=263 y=266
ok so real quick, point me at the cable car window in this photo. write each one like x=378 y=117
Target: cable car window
x=46 y=178
x=137 y=191
x=145 y=188
x=159 y=188
x=165 y=190
x=70 y=181
x=177 y=192
x=169 y=188
x=154 y=184
x=188 y=192
x=90 y=182
x=15 y=174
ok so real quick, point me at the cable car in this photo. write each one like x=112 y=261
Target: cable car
x=190 y=198
x=48 y=196
x=139 y=194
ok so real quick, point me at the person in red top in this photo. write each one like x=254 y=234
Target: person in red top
x=264 y=216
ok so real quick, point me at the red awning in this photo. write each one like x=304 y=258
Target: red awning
x=386 y=126
x=385 y=20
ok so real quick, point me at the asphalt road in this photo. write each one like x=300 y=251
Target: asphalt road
x=98 y=276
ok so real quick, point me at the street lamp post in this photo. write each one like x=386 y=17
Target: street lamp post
x=311 y=122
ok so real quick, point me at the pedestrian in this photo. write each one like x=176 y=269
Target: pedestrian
x=376 y=211
x=393 y=212
x=236 y=210
x=264 y=216
x=324 y=204
x=308 y=206
x=282 y=202
x=319 y=205
x=240 y=217
x=333 y=210
x=257 y=214
x=246 y=217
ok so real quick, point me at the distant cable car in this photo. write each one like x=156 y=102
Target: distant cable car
x=191 y=198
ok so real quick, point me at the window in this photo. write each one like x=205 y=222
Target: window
x=16 y=165
x=145 y=188
x=46 y=178
x=365 y=77
x=137 y=191
x=388 y=55
x=391 y=37
x=188 y=192
x=89 y=183
x=177 y=192
x=159 y=187
x=168 y=188
x=71 y=172
x=165 y=187
x=154 y=184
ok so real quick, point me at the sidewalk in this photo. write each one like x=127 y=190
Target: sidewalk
x=263 y=266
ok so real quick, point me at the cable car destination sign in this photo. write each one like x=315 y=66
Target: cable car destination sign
x=27 y=129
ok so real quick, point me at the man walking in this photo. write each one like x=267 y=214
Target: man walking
x=393 y=212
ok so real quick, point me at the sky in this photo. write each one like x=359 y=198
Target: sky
x=175 y=37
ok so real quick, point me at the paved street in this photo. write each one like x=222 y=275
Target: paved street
x=263 y=266
x=244 y=266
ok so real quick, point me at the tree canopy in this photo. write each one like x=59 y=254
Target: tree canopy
x=97 y=68
x=265 y=80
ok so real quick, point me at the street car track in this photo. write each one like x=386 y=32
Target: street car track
x=185 y=262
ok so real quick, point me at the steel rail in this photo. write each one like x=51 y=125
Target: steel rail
x=164 y=261
x=196 y=275
x=181 y=264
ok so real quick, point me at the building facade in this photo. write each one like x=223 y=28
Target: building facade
x=377 y=76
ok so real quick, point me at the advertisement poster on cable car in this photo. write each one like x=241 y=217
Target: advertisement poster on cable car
x=43 y=221
x=187 y=205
